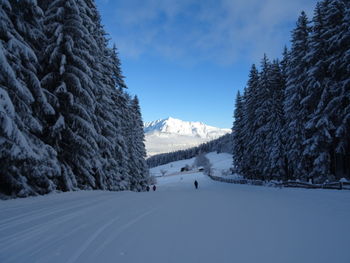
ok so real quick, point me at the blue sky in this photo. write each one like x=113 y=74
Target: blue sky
x=188 y=58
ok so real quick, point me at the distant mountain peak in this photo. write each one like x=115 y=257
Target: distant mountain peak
x=172 y=125
x=171 y=134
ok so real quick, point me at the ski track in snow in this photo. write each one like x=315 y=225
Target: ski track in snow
x=88 y=242
x=38 y=214
x=61 y=217
x=217 y=223
x=121 y=229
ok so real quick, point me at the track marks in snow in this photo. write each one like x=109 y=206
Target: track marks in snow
x=90 y=240
x=38 y=230
x=121 y=229
x=45 y=242
x=44 y=224
x=39 y=215
x=85 y=222
x=216 y=223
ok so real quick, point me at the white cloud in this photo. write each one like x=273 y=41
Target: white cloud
x=222 y=31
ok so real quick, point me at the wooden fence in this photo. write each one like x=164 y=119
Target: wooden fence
x=294 y=184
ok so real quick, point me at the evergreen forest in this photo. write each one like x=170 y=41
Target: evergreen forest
x=292 y=121
x=67 y=121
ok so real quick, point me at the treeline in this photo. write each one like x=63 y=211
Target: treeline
x=293 y=119
x=66 y=121
x=222 y=144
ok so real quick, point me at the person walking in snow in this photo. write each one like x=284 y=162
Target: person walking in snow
x=196 y=184
x=154 y=187
x=147 y=188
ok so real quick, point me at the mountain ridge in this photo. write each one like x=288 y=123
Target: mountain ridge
x=188 y=128
x=171 y=134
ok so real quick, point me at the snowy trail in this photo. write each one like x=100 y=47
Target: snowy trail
x=217 y=223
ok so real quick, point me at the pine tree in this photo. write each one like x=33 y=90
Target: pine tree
x=318 y=126
x=69 y=58
x=264 y=130
x=294 y=93
x=107 y=120
x=138 y=170
x=28 y=22
x=244 y=167
x=276 y=144
x=284 y=71
x=121 y=120
x=29 y=166
x=237 y=129
x=250 y=128
x=337 y=36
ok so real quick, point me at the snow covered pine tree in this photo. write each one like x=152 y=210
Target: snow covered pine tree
x=62 y=102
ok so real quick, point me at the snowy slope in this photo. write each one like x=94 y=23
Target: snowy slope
x=220 y=163
x=171 y=134
x=219 y=222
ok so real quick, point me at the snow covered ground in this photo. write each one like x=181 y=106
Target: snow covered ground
x=219 y=162
x=220 y=166
x=217 y=223
x=171 y=168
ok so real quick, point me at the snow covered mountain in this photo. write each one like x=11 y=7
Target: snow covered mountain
x=172 y=134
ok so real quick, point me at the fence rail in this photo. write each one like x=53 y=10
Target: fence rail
x=291 y=184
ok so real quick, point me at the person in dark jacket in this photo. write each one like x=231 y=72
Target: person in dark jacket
x=147 y=188
x=196 y=184
x=154 y=187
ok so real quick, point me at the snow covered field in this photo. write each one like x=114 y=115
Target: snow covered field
x=217 y=223
x=219 y=163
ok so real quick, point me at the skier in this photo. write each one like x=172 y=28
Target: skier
x=196 y=184
x=147 y=188
x=154 y=187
